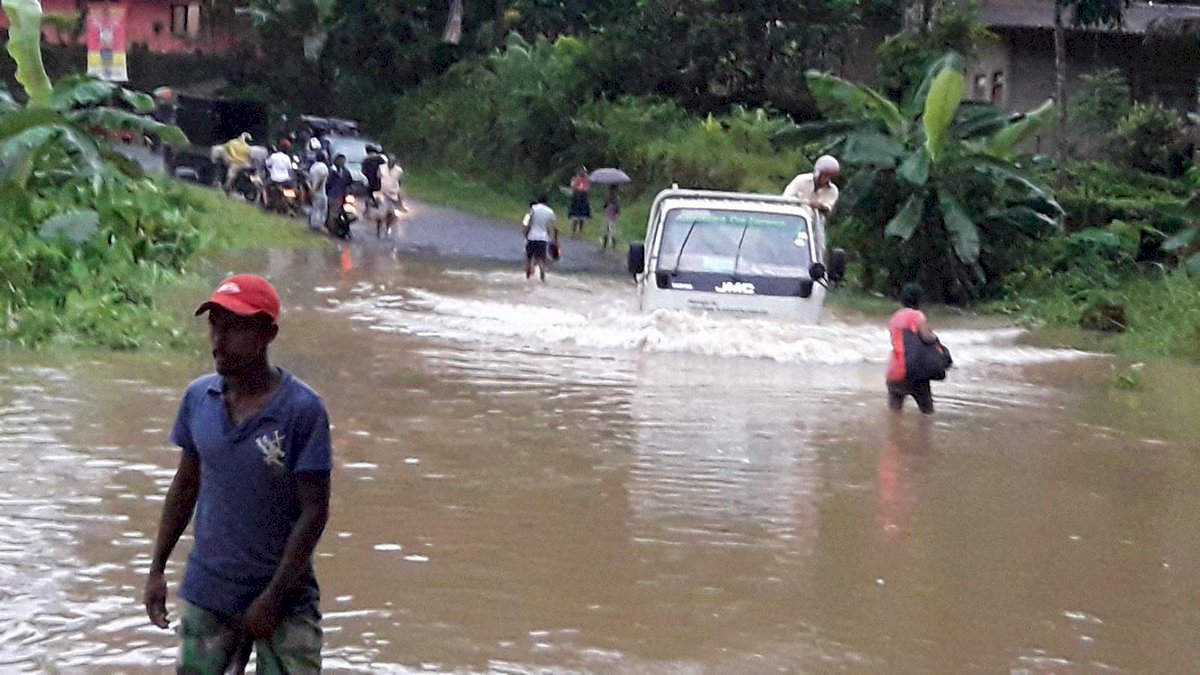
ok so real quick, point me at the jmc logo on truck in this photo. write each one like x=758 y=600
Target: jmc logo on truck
x=740 y=287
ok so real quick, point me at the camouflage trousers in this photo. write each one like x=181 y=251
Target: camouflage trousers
x=210 y=646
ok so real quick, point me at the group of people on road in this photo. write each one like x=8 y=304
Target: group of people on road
x=325 y=184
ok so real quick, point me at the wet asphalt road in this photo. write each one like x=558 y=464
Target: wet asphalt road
x=434 y=231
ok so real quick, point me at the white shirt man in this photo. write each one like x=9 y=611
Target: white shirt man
x=279 y=167
x=318 y=176
x=541 y=219
x=817 y=188
x=540 y=230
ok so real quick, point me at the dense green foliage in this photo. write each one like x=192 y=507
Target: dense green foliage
x=703 y=54
x=938 y=193
x=904 y=57
x=528 y=116
x=1101 y=99
x=84 y=238
x=1151 y=138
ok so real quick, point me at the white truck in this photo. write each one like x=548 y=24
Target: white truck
x=733 y=253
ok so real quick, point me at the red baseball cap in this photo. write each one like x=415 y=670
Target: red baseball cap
x=246 y=295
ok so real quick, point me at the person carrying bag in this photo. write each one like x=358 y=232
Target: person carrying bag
x=918 y=357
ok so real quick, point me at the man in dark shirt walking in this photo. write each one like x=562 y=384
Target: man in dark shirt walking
x=337 y=186
x=254 y=469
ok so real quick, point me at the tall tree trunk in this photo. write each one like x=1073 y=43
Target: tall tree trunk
x=1060 y=92
x=453 y=31
x=498 y=38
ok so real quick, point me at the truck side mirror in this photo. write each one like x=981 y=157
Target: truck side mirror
x=637 y=259
x=816 y=271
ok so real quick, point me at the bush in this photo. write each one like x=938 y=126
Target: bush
x=1103 y=98
x=1151 y=138
x=95 y=292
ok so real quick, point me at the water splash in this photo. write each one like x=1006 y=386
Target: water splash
x=576 y=316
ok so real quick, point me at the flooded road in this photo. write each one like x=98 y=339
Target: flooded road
x=534 y=479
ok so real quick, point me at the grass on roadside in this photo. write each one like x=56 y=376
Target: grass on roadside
x=230 y=225
x=509 y=202
x=1162 y=314
x=447 y=188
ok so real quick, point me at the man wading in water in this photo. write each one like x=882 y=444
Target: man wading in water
x=901 y=383
x=539 y=229
x=254 y=468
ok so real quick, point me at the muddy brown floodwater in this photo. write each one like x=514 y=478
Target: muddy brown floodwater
x=540 y=479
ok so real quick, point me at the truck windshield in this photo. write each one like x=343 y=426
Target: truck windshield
x=735 y=242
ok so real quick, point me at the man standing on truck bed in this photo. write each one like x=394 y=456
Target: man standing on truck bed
x=817 y=189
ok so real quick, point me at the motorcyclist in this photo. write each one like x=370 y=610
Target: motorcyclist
x=237 y=152
x=279 y=174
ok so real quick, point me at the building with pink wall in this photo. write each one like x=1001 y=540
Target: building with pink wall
x=163 y=26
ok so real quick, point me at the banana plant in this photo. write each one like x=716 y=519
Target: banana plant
x=52 y=132
x=951 y=169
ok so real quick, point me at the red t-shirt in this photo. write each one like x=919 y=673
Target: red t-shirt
x=905 y=319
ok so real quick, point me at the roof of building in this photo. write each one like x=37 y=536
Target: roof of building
x=1140 y=17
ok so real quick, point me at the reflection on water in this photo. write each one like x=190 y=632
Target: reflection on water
x=537 y=478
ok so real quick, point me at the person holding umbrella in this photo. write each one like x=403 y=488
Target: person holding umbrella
x=612 y=207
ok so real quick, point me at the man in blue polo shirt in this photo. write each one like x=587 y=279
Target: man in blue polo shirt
x=255 y=471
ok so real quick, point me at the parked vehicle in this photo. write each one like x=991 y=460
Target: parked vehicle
x=736 y=254
x=209 y=122
x=355 y=150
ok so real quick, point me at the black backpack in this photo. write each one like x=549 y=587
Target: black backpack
x=924 y=361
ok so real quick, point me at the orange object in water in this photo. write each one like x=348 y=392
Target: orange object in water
x=347 y=262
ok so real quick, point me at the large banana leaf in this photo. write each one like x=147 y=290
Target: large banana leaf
x=81 y=91
x=975 y=120
x=840 y=99
x=1006 y=172
x=7 y=104
x=24 y=45
x=1005 y=141
x=942 y=101
x=19 y=153
x=22 y=152
x=872 y=149
x=1027 y=220
x=905 y=222
x=809 y=132
x=113 y=119
x=914 y=169
x=963 y=232
x=857 y=188
x=16 y=122
x=916 y=103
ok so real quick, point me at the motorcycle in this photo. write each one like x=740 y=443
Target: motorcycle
x=248 y=184
x=283 y=198
x=347 y=213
